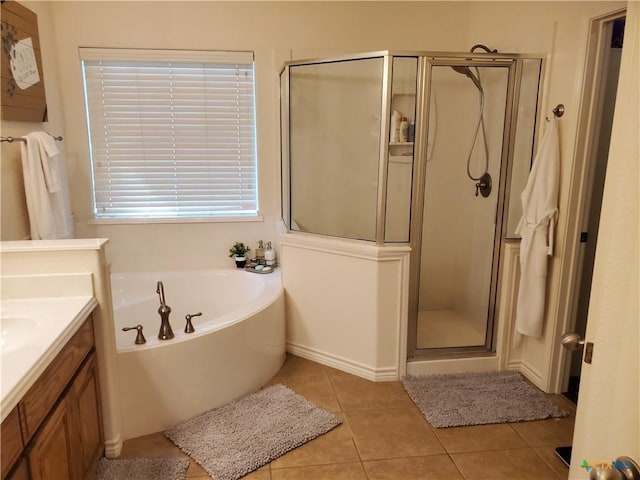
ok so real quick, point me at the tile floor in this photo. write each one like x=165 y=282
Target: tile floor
x=385 y=436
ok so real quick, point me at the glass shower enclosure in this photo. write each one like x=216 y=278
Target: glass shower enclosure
x=425 y=149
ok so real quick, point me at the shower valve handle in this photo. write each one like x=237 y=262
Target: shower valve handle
x=484 y=185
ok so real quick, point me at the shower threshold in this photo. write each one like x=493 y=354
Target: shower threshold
x=445 y=360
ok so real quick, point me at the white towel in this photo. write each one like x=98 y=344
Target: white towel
x=47 y=200
x=540 y=211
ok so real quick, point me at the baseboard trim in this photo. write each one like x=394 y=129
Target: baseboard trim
x=532 y=375
x=385 y=374
x=113 y=447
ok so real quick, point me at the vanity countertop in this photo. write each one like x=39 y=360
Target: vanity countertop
x=34 y=330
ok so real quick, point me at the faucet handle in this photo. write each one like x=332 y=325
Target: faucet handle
x=188 y=328
x=139 y=337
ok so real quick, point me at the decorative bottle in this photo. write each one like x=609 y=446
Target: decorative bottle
x=270 y=255
x=260 y=253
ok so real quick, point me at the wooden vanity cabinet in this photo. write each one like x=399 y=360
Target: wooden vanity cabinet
x=60 y=417
x=12 y=445
x=51 y=455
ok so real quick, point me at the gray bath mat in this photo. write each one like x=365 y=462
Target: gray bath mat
x=233 y=440
x=457 y=400
x=142 y=469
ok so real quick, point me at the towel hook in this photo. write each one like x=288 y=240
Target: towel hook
x=558 y=111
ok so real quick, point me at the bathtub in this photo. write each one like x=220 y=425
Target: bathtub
x=237 y=346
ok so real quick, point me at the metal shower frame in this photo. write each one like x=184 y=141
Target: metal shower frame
x=426 y=60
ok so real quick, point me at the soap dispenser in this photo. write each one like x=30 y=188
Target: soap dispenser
x=270 y=255
x=260 y=253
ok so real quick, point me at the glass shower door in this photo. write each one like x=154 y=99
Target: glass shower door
x=458 y=259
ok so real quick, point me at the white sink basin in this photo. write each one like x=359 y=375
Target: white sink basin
x=16 y=332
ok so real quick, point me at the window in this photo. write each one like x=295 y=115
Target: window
x=171 y=133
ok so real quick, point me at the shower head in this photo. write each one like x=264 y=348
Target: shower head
x=467 y=71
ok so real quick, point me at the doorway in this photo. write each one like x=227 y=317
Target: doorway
x=607 y=62
x=601 y=83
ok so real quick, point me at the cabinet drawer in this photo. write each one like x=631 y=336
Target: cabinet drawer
x=11 y=441
x=43 y=394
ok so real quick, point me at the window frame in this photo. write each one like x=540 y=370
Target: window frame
x=185 y=56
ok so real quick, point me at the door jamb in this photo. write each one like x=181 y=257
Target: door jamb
x=588 y=123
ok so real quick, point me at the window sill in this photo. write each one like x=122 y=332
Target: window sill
x=132 y=221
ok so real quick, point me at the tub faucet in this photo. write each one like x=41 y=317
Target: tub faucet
x=166 y=332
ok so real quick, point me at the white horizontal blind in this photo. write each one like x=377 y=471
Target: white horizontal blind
x=171 y=139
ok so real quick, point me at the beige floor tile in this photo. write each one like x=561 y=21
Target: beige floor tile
x=153 y=445
x=343 y=471
x=564 y=403
x=433 y=467
x=316 y=389
x=518 y=464
x=548 y=455
x=300 y=367
x=478 y=438
x=335 y=446
x=546 y=433
x=358 y=394
x=392 y=433
x=257 y=475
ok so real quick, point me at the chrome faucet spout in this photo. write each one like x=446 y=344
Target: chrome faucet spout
x=166 y=331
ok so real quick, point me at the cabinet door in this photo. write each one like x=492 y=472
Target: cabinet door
x=20 y=472
x=51 y=457
x=11 y=437
x=86 y=405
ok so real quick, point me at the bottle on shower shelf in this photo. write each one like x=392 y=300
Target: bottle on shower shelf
x=394 y=128
x=404 y=130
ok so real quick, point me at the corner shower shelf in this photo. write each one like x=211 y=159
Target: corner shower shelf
x=400 y=144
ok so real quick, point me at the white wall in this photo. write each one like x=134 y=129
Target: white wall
x=346 y=304
x=272 y=30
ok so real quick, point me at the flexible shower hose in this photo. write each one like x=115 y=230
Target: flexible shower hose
x=479 y=124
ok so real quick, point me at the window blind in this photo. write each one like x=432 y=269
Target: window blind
x=172 y=134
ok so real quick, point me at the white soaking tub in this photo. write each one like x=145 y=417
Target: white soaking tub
x=237 y=346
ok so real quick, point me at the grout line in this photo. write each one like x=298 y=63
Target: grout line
x=521 y=436
x=548 y=464
x=455 y=465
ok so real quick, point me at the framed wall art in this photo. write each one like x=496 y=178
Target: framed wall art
x=23 y=94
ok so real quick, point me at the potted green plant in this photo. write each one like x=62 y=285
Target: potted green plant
x=239 y=251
